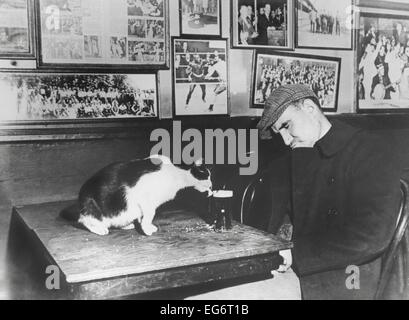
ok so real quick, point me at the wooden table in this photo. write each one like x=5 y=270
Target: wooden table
x=184 y=252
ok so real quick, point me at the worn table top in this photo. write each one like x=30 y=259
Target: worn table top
x=183 y=240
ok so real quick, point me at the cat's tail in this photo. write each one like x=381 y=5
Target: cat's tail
x=71 y=213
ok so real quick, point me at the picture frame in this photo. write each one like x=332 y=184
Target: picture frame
x=324 y=24
x=200 y=18
x=252 y=29
x=384 y=4
x=17 y=35
x=51 y=98
x=271 y=70
x=382 y=69
x=120 y=36
x=200 y=77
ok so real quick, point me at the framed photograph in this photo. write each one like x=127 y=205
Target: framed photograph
x=272 y=70
x=200 y=17
x=16 y=32
x=325 y=24
x=384 y=4
x=262 y=24
x=51 y=97
x=103 y=34
x=200 y=77
x=383 y=63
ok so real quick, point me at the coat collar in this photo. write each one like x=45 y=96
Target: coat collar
x=337 y=138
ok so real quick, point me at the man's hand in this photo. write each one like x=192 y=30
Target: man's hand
x=287 y=263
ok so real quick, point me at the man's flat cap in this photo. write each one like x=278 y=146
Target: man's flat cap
x=279 y=100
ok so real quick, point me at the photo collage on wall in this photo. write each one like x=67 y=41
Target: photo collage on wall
x=130 y=32
x=146 y=31
x=133 y=37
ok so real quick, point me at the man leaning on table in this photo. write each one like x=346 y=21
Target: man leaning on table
x=341 y=193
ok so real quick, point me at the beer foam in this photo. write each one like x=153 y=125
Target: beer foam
x=223 y=194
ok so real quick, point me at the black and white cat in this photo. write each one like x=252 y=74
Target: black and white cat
x=128 y=192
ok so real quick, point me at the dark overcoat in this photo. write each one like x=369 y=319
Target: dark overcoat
x=342 y=197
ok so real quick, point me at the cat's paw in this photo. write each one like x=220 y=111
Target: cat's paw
x=149 y=229
x=130 y=227
x=100 y=230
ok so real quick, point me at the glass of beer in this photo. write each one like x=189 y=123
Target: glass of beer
x=221 y=209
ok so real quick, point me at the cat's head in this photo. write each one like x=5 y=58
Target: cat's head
x=203 y=178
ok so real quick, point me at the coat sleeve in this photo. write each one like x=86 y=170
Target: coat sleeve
x=370 y=218
x=280 y=190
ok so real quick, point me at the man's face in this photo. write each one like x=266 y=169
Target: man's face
x=267 y=9
x=298 y=127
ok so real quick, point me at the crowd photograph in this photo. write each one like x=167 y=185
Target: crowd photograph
x=69 y=97
x=383 y=56
x=273 y=72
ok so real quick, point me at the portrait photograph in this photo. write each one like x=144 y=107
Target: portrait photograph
x=321 y=74
x=49 y=97
x=200 y=17
x=262 y=24
x=324 y=24
x=15 y=30
x=200 y=77
x=383 y=63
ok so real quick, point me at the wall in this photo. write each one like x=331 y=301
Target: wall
x=34 y=172
x=240 y=72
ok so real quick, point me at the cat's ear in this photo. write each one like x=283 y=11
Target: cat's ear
x=199 y=162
